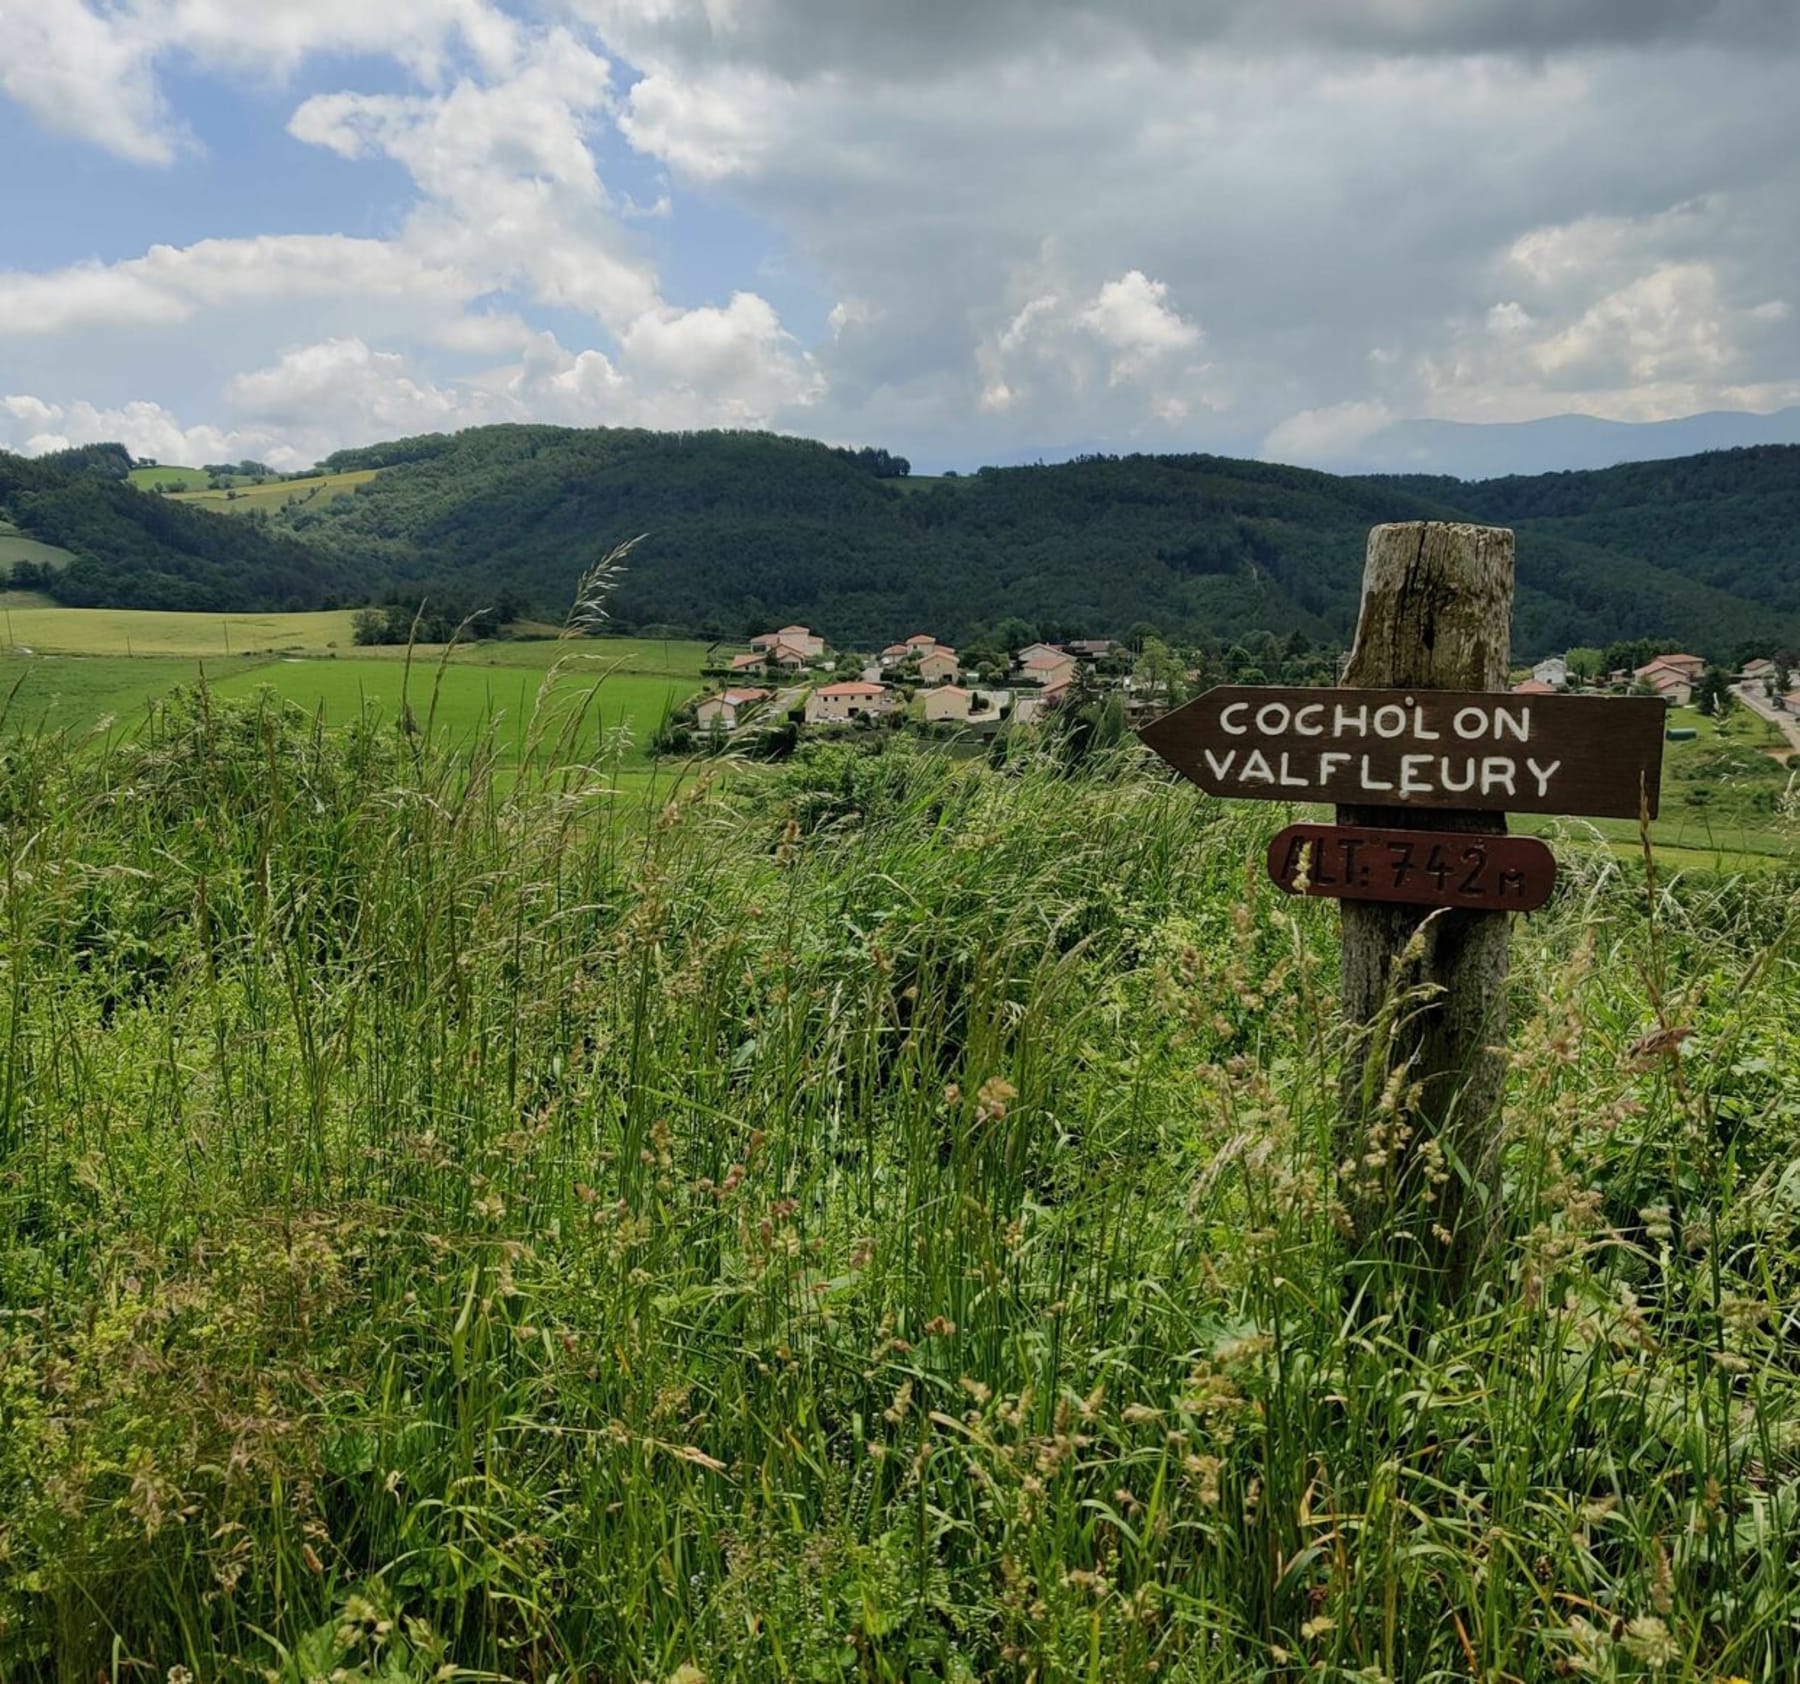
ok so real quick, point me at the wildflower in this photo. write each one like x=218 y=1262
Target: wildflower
x=1651 y=1641
x=687 y=1673
x=1318 y=1626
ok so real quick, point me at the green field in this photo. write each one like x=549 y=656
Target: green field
x=171 y=478
x=15 y=546
x=54 y=693
x=79 y=674
x=276 y=493
x=31 y=622
x=462 y=701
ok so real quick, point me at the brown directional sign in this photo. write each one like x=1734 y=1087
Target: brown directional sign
x=1491 y=751
x=1418 y=867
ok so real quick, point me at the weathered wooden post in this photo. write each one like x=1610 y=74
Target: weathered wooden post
x=1423 y=751
x=1437 y=603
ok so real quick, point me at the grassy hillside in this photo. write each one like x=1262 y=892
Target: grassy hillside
x=749 y=529
x=269 y=495
x=877 y=1221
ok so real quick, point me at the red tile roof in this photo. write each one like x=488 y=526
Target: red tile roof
x=853 y=690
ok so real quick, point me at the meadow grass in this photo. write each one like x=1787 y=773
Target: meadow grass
x=467 y=702
x=48 y=628
x=876 y=1219
x=15 y=547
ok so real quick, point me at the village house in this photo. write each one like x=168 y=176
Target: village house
x=1534 y=686
x=921 y=640
x=893 y=655
x=1096 y=648
x=728 y=708
x=947 y=702
x=796 y=638
x=1689 y=667
x=1758 y=671
x=1552 y=671
x=1045 y=664
x=1030 y=709
x=838 y=704
x=938 y=664
x=747 y=663
x=1674 y=684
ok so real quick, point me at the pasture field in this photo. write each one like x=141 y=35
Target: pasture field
x=176 y=479
x=15 y=547
x=35 y=623
x=877 y=1220
x=275 y=494
x=462 y=700
x=53 y=694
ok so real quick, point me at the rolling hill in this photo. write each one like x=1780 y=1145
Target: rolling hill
x=105 y=544
x=748 y=529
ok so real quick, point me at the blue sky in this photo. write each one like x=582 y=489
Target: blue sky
x=970 y=234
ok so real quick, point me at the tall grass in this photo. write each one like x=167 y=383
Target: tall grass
x=877 y=1219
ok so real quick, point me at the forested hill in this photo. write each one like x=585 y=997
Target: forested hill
x=1729 y=518
x=750 y=529
x=133 y=550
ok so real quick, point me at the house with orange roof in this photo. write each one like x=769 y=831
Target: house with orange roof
x=838 y=704
x=1534 y=687
x=798 y=638
x=946 y=702
x=938 y=664
x=727 y=709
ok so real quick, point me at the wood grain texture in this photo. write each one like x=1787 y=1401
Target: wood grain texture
x=1436 y=615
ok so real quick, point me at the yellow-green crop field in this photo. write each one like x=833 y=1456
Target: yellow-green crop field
x=276 y=493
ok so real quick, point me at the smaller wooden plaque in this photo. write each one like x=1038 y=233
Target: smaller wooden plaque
x=1418 y=867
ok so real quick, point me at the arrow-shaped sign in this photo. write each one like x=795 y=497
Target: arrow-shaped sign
x=1489 y=751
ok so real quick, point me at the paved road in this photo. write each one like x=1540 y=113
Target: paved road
x=1751 y=695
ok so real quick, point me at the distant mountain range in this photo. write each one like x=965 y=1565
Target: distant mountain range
x=1559 y=443
x=748 y=530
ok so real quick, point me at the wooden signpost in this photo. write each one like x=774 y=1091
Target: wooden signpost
x=1423 y=750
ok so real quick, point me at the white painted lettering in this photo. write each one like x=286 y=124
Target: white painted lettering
x=1369 y=782
x=1300 y=724
x=1255 y=766
x=1450 y=784
x=1497 y=770
x=1419 y=730
x=1329 y=763
x=1390 y=721
x=1272 y=718
x=1225 y=714
x=1469 y=724
x=1409 y=785
x=1291 y=783
x=1520 y=727
x=1342 y=718
x=1543 y=774
x=1220 y=767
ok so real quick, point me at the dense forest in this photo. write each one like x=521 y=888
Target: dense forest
x=748 y=529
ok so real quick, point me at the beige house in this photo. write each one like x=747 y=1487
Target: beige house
x=838 y=704
x=938 y=664
x=948 y=701
x=727 y=709
x=1046 y=666
x=796 y=638
x=1673 y=684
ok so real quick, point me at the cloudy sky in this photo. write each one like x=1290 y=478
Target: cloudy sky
x=970 y=230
